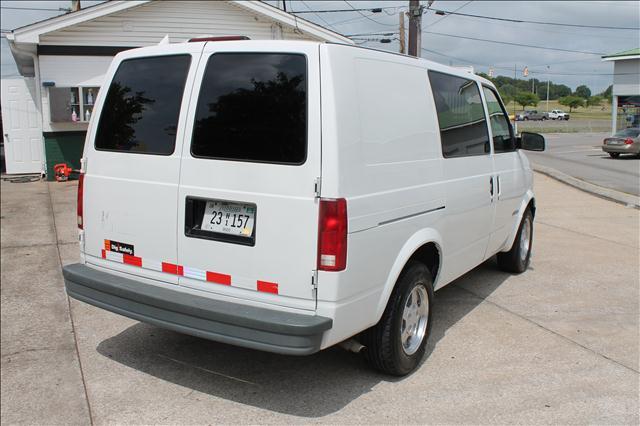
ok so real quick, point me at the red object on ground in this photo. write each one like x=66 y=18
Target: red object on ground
x=62 y=172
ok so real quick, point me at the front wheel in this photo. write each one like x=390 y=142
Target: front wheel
x=518 y=258
x=396 y=345
x=614 y=154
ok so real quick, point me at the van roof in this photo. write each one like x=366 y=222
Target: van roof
x=427 y=63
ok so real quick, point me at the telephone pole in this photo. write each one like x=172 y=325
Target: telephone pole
x=403 y=48
x=415 y=27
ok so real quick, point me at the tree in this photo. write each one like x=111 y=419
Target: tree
x=583 y=91
x=607 y=93
x=571 y=102
x=526 y=99
x=594 y=100
x=560 y=90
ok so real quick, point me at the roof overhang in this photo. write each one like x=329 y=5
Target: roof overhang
x=620 y=58
x=24 y=56
x=31 y=33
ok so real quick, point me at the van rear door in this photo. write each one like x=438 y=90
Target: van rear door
x=133 y=162
x=247 y=206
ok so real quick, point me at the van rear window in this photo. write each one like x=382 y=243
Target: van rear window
x=141 y=110
x=253 y=107
x=463 y=128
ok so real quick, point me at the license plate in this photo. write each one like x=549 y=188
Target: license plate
x=614 y=142
x=229 y=218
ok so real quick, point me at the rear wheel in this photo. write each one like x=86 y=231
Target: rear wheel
x=397 y=343
x=517 y=259
x=614 y=154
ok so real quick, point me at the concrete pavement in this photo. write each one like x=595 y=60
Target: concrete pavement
x=579 y=155
x=557 y=344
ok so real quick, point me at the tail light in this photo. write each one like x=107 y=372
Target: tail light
x=80 y=200
x=628 y=141
x=332 y=235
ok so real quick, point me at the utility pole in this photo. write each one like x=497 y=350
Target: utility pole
x=548 y=81
x=415 y=27
x=515 y=89
x=403 y=48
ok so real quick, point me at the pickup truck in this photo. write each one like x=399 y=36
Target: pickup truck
x=532 y=115
x=558 y=114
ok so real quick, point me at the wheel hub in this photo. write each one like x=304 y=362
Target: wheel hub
x=525 y=239
x=414 y=319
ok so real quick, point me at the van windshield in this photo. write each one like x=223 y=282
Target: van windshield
x=140 y=113
x=253 y=107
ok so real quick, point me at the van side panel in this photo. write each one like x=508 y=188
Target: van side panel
x=381 y=152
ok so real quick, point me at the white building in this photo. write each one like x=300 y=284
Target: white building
x=64 y=60
x=625 y=111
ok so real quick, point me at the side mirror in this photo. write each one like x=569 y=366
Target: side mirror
x=531 y=141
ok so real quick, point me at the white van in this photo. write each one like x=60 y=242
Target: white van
x=288 y=196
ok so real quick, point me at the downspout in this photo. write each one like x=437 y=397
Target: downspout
x=36 y=76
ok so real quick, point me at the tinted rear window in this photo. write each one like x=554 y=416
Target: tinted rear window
x=629 y=133
x=253 y=107
x=463 y=128
x=140 y=113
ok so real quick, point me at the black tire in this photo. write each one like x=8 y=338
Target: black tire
x=614 y=154
x=526 y=119
x=516 y=260
x=384 y=350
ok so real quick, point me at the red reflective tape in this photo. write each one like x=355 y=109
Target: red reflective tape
x=104 y=254
x=132 y=260
x=171 y=268
x=217 y=278
x=267 y=287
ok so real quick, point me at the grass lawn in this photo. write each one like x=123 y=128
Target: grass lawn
x=587 y=119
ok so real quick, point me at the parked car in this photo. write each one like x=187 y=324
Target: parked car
x=533 y=115
x=264 y=194
x=626 y=141
x=558 y=114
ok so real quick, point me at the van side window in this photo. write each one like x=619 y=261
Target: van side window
x=253 y=107
x=140 y=113
x=503 y=140
x=463 y=128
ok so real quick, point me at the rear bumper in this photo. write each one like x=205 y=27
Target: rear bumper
x=633 y=148
x=235 y=324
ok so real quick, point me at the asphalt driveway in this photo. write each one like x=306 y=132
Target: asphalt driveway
x=557 y=344
x=580 y=155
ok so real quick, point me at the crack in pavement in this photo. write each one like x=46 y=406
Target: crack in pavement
x=585 y=234
x=547 y=329
x=73 y=327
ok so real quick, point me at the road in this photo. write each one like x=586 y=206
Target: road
x=579 y=155
x=557 y=344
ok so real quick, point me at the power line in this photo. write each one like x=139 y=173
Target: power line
x=367 y=17
x=515 y=44
x=311 y=11
x=368 y=34
x=372 y=9
x=60 y=9
x=536 y=72
x=522 y=21
x=445 y=16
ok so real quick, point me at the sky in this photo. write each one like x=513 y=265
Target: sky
x=564 y=67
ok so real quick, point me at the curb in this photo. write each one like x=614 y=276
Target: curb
x=599 y=191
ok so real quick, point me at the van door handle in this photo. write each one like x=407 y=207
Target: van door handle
x=491 y=187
